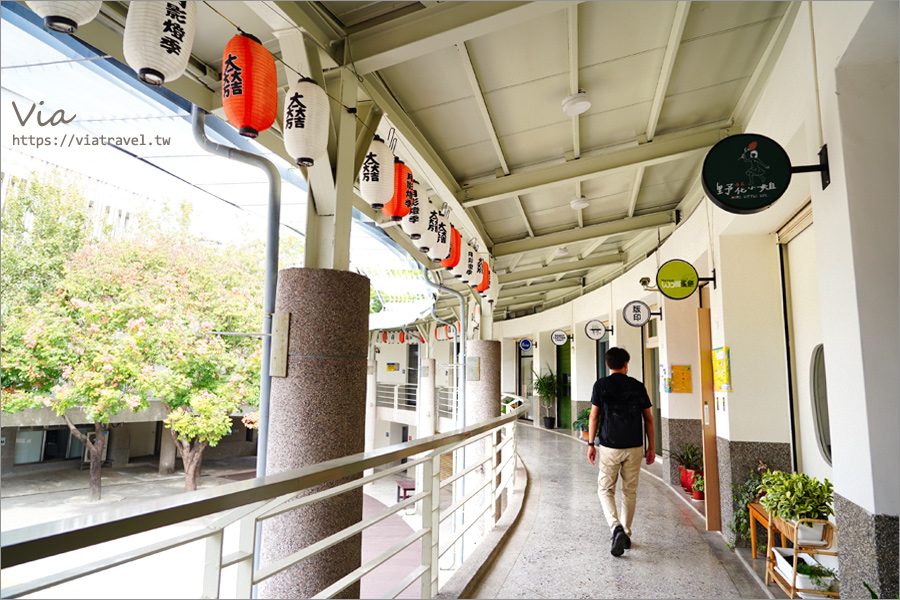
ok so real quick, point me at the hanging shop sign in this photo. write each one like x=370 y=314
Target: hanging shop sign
x=746 y=173
x=637 y=313
x=559 y=337
x=525 y=345
x=595 y=329
x=677 y=279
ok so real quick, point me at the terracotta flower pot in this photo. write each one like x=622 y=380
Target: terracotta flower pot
x=697 y=494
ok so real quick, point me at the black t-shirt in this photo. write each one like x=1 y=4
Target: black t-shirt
x=622 y=400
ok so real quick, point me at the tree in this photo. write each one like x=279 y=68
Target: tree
x=43 y=220
x=133 y=319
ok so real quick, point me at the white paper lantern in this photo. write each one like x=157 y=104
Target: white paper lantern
x=158 y=39
x=376 y=176
x=305 y=125
x=439 y=227
x=415 y=223
x=493 y=291
x=65 y=17
x=459 y=271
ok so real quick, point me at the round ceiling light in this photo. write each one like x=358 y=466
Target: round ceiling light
x=579 y=203
x=576 y=104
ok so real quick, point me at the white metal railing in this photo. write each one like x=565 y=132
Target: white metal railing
x=401 y=396
x=510 y=402
x=256 y=500
x=447 y=403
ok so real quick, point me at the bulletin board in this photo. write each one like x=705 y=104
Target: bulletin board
x=676 y=379
x=722 y=369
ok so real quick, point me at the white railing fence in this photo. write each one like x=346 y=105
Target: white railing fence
x=253 y=501
x=399 y=396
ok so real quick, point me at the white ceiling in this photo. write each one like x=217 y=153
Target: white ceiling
x=474 y=90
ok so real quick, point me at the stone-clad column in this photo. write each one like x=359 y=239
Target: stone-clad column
x=482 y=404
x=317 y=413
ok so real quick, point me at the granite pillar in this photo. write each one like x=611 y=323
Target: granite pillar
x=676 y=434
x=167 y=452
x=482 y=404
x=736 y=461
x=867 y=550
x=318 y=413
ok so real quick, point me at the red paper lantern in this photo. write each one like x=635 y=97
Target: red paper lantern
x=485 y=278
x=249 y=85
x=404 y=189
x=455 y=246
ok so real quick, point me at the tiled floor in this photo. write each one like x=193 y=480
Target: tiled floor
x=560 y=547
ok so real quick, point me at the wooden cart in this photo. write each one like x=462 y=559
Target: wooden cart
x=788 y=531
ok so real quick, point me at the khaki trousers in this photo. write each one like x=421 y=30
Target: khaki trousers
x=612 y=462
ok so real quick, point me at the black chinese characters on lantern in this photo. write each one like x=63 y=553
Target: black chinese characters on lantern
x=158 y=39
x=249 y=85
x=376 y=175
x=305 y=128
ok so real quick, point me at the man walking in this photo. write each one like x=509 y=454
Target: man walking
x=622 y=406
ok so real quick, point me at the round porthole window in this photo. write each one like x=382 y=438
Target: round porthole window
x=819 y=393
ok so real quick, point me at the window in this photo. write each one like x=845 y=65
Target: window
x=819 y=393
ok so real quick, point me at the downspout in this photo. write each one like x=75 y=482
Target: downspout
x=198 y=118
x=460 y=492
x=461 y=334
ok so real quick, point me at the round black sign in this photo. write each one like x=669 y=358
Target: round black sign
x=746 y=173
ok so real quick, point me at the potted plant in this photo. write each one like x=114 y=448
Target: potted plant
x=545 y=387
x=698 y=487
x=690 y=462
x=581 y=422
x=796 y=496
x=811 y=574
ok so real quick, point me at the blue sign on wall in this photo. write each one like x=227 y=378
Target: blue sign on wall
x=525 y=345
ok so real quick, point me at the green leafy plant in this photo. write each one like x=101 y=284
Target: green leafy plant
x=794 y=496
x=816 y=573
x=699 y=484
x=691 y=458
x=582 y=420
x=545 y=386
x=744 y=494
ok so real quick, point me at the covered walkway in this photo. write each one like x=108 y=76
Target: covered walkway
x=560 y=546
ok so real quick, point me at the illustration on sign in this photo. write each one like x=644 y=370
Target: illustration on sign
x=746 y=173
x=722 y=369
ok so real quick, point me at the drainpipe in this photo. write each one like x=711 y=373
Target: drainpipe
x=198 y=119
x=459 y=492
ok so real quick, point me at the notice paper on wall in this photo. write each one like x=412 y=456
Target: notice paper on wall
x=722 y=369
x=675 y=379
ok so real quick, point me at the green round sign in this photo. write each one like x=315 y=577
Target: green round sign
x=677 y=279
x=746 y=173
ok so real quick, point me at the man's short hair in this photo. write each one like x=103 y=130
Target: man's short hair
x=617 y=358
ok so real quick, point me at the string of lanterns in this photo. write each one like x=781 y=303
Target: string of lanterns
x=400 y=337
x=157 y=44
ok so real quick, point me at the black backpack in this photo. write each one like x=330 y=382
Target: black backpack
x=622 y=423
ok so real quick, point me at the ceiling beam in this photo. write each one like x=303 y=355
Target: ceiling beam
x=662 y=84
x=521 y=207
x=517 y=299
x=555 y=286
x=571 y=236
x=438 y=27
x=635 y=190
x=572 y=19
x=592 y=246
x=662 y=150
x=566 y=267
x=435 y=171
x=746 y=104
x=580 y=210
x=482 y=107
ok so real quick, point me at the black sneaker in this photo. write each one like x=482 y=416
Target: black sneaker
x=627 y=542
x=619 y=539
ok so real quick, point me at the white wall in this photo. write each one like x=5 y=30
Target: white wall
x=391 y=353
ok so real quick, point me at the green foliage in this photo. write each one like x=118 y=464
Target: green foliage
x=698 y=485
x=545 y=386
x=794 y=496
x=131 y=319
x=582 y=420
x=744 y=494
x=816 y=573
x=42 y=222
x=691 y=458
x=375 y=303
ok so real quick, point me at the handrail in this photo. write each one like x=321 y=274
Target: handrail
x=49 y=539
